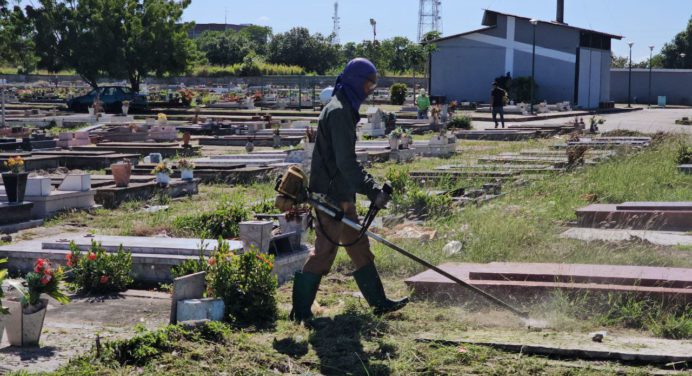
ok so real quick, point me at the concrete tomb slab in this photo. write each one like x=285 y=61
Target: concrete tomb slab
x=637 y=216
x=522 y=283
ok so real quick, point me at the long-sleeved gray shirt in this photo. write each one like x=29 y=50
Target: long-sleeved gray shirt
x=335 y=170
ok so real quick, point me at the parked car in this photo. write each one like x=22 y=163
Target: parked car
x=112 y=98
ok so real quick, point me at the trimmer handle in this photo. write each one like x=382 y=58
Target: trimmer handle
x=387 y=189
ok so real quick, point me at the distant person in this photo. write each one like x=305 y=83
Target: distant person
x=423 y=103
x=498 y=97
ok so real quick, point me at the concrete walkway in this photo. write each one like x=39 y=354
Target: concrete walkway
x=646 y=121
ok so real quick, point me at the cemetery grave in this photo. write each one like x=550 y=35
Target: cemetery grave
x=166 y=149
x=667 y=216
x=524 y=284
x=499 y=173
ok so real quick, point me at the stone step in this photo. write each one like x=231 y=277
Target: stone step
x=527 y=283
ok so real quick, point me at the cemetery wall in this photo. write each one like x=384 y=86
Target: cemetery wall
x=675 y=84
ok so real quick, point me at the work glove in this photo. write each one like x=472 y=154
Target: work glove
x=381 y=200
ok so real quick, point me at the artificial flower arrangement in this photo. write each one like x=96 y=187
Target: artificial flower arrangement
x=185 y=164
x=14 y=164
x=44 y=279
x=162 y=168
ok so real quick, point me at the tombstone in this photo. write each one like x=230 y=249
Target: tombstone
x=200 y=310
x=300 y=124
x=256 y=235
x=187 y=287
x=76 y=183
x=374 y=126
x=250 y=103
x=38 y=186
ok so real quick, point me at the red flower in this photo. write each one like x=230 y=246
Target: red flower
x=92 y=256
x=39 y=265
x=104 y=279
x=69 y=260
x=45 y=279
x=211 y=261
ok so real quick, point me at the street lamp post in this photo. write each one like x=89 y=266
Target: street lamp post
x=629 y=85
x=651 y=55
x=534 y=22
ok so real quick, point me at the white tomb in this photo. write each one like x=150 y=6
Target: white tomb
x=374 y=127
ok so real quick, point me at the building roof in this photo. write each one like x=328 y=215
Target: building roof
x=492 y=25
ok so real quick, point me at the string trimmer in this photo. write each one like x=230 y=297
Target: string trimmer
x=292 y=189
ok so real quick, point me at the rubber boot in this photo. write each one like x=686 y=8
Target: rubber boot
x=305 y=287
x=370 y=285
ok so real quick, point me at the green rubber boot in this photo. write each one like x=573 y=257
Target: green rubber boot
x=305 y=287
x=370 y=285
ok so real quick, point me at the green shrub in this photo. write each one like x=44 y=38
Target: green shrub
x=246 y=284
x=461 y=121
x=520 y=89
x=410 y=196
x=684 y=154
x=397 y=93
x=222 y=222
x=190 y=267
x=98 y=271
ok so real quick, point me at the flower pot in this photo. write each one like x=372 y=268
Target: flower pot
x=163 y=178
x=25 y=324
x=91 y=111
x=277 y=141
x=121 y=174
x=186 y=138
x=125 y=109
x=249 y=147
x=186 y=174
x=15 y=186
x=404 y=142
x=394 y=143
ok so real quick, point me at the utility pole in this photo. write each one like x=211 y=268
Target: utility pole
x=629 y=85
x=651 y=55
x=533 y=22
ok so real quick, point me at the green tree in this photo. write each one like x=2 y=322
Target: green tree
x=682 y=43
x=151 y=39
x=224 y=48
x=128 y=39
x=259 y=37
x=314 y=52
x=16 y=43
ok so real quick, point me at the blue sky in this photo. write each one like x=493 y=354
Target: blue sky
x=643 y=22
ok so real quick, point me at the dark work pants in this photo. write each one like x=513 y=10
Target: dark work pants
x=499 y=110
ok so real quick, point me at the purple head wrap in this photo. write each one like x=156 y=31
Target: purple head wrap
x=352 y=79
